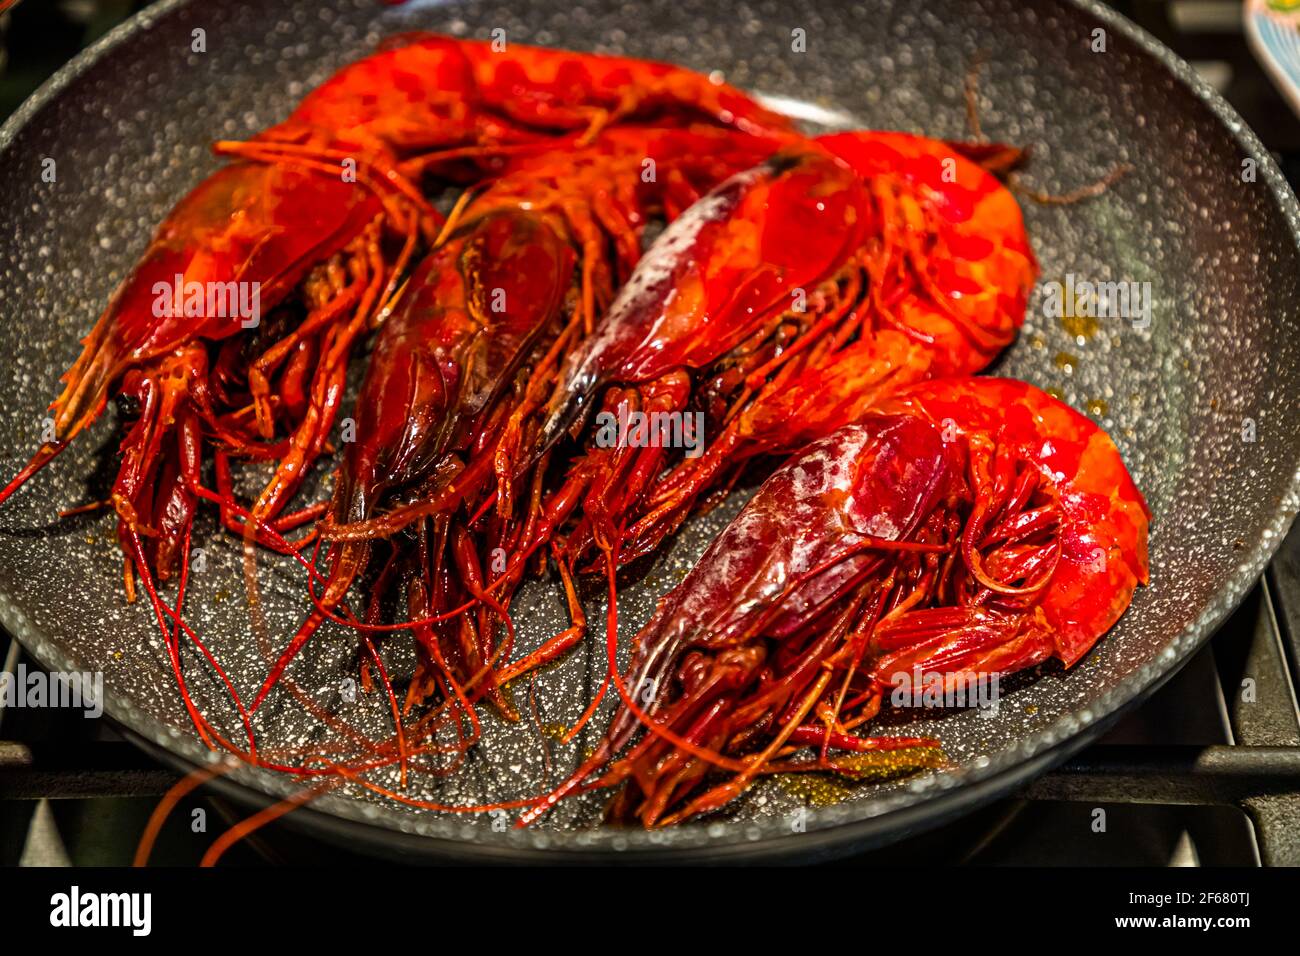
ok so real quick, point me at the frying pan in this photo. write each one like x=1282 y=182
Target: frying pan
x=1202 y=399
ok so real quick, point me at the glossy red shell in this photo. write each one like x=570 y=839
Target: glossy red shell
x=1106 y=518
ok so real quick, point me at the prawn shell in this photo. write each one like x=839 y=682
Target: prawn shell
x=1105 y=518
x=465 y=322
x=715 y=274
x=878 y=479
x=981 y=268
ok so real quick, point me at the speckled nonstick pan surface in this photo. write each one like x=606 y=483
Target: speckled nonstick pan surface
x=128 y=124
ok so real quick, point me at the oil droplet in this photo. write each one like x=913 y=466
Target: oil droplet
x=884 y=764
x=1098 y=408
x=1056 y=393
x=825 y=789
x=1080 y=326
x=1079 y=315
x=1065 y=361
x=1031 y=709
x=815 y=790
x=555 y=731
x=1038 y=342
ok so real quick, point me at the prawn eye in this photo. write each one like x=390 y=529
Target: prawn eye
x=128 y=406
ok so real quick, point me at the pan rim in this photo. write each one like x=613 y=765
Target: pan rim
x=927 y=799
